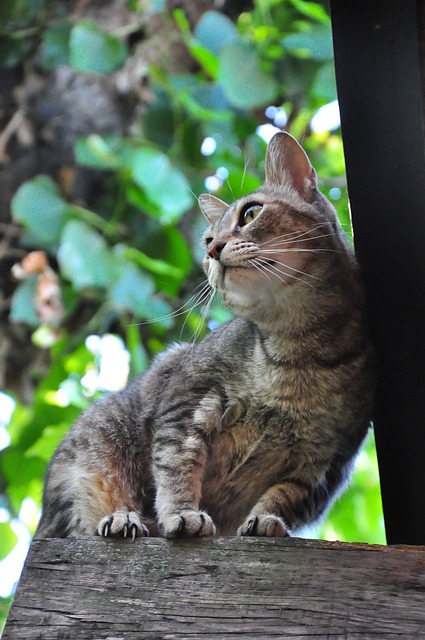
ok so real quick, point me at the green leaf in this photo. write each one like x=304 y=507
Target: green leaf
x=84 y=256
x=97 y=151
x=4 y=610
x=8 y=539
x=40 y=208
x=240 y=183
x=160 y=312
x=311 y=10
x=244 y=82
x=48 y=442
x=165 y=186
x=23 y=303
x=208 y=61
x=155 y=6
x=205 y=101
x=92 y=51
x=18 y=471
x=55 y=47
x=159 y=267
x=139 y=358
x=158 y=121
x=315 y=43
x=132 y=290
x=325 y=84
x=214 y=30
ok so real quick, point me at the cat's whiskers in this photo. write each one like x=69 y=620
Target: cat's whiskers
x=204 y=313
x=265 y=267
x=272 y=268
x=253 y=262
x=283 y=242
x=193 y=302
x=202 y=297
x=304 y=273
x=298 y=250
x=294 y=235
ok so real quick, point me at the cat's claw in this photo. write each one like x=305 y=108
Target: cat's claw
x=187 y=524
x=122 y=524
x=265 y=525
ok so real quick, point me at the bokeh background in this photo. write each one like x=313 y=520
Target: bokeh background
x=114 y=116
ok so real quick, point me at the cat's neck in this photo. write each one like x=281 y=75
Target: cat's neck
x=310 y=323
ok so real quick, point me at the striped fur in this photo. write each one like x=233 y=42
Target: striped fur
x=252 y=431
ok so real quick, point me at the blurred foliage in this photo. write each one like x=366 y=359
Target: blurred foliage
x=126 y=265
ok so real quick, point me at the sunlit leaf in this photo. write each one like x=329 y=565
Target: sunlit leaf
x=207 y=60
x=131 y=290
x=240 y=183
x=244 y=82
x=312 y=10
x=160 y=267
x=48 y=442
x=19 y=472
x=214 y=30
x=93 y=51
x=8 y=539
x=96 y=151
x=139 y=358
x=325 y=83
x=163 y=184
x=205 y=101
x=84 y=256
x=22 y=307
x=170 y=245
x=315 y=43
x=39 y=206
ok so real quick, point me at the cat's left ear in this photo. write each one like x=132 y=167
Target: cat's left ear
x=212 y=207
x=286 y=161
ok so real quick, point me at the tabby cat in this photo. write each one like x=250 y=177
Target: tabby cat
x=252 y=431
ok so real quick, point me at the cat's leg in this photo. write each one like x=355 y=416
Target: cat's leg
x=264 y=525
x=122 y=523
x=278 y=510
x=101 y=501
x=178 y=465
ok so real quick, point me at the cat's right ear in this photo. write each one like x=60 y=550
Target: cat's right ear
x=212 y=207
x=288 y=163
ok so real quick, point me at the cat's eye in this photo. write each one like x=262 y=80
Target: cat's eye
x=208 y=241
x=250 y=212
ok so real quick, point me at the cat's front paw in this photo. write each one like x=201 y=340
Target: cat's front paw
x=265 y=525
x=187 y=524
x=122 y=524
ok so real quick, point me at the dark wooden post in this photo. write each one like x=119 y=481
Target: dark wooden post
x=379 y=89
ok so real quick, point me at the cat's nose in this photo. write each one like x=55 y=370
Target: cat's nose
x=215 y=249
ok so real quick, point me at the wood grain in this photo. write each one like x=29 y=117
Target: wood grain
x=221 y=588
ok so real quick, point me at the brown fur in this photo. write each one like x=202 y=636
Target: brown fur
x=254 y=430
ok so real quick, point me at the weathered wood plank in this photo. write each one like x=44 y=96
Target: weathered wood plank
x=220 y=588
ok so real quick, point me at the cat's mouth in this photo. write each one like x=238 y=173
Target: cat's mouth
x=229 y=268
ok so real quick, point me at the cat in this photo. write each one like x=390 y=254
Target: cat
x=252 y=431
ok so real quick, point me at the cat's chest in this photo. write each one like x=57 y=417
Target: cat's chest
x=258 y=439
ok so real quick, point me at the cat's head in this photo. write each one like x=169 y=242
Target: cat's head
x=281 y=238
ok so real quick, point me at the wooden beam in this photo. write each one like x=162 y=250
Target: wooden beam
x=219 y=588
x=379 y=89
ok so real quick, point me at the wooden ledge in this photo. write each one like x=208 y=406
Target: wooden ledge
x=88 y=588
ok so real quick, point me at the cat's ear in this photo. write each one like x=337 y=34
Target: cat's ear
x=212 y=207
x=286 y=161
